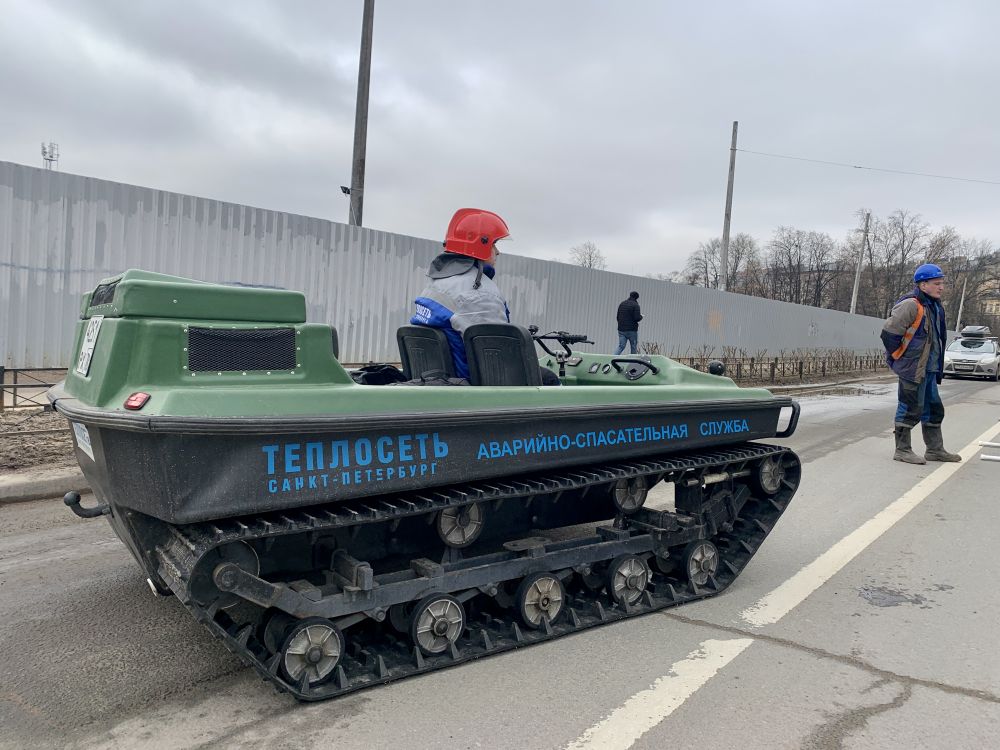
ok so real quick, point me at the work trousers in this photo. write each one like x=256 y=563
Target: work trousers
x=919 y=402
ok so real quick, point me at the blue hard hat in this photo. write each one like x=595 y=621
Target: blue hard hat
x=926 y=272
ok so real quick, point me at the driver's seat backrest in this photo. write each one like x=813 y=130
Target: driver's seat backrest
x=501 y=354
x=424 y=350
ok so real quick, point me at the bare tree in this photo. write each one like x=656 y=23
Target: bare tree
x=703 y=264
x=905 y=235
x=810 y=268
x=589 y=256
x=703 y=267
x=744 y=257
x=944 y=245
x=802 y=266
x=822 y=268
x=786 y=263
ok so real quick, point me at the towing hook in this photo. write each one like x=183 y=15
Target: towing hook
x=72 y=500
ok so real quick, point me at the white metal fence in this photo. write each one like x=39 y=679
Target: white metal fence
x=61 y=233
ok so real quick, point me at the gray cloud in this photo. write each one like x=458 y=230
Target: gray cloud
x=575 y=120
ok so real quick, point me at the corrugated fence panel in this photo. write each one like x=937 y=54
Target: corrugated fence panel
x=61 y=233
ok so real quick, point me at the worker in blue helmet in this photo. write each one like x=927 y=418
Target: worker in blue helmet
x=914 y=337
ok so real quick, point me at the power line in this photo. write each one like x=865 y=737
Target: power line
x=872 y=169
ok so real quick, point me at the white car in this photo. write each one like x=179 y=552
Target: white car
x=973 y=357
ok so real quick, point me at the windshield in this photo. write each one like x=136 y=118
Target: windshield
x=973 y=346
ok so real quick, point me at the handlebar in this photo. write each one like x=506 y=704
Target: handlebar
x=564 y=339
x=634 y=360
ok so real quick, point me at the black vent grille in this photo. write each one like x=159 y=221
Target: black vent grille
x=104 y=293
x=241 y=349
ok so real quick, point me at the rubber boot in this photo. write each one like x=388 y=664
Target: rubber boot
x=904 y=451
x=935 y=444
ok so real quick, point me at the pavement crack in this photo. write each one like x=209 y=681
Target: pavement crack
x=852 y=661
x=841 y=726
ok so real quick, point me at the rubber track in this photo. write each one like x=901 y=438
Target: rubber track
x=377 y=661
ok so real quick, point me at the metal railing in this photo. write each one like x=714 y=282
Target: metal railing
x=777 y=369
x=26 y=386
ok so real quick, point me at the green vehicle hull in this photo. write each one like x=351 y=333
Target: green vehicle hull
x=252 y=476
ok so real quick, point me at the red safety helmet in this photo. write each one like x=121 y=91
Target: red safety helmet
x=472 y=231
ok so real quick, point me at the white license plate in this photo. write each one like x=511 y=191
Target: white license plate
x=83 y=439
x=89 y=342
x=965 y=367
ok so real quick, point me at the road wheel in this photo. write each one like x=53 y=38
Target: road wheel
x=768 y=475
x=438 y=621
x=400 y=616
x=312 y=650
x=460 y=527
x=539 y=597
x=627 y=578
x=629 y=495
x=701 y=561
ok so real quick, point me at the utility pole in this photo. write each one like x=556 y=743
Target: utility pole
x=729 y=211
x=961 y=304
x=861 y=259
x=357 y=194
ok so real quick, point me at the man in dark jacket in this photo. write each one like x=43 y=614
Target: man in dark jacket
x=628 y=323
x=915 y=336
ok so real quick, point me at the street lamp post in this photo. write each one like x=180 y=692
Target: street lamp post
x=357 y=190
x=347 y=191
x=861 y=258
x=961 y=305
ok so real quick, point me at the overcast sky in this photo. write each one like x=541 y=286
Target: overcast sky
x=575 y=120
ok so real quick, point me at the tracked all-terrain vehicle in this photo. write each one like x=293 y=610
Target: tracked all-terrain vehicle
x=337 y=535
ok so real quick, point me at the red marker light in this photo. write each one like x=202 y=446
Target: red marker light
x=136 y=401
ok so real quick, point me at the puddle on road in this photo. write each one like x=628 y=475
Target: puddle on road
x=850 y=390
x=879 y=596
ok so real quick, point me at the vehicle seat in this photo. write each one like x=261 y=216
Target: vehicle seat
x=501 y=354
x=423 y=350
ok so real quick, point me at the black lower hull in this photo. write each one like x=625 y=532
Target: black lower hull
x=191 y=476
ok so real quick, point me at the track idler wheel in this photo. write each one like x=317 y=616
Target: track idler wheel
x=311 y=651
x=626 y=579
x=202 y=585
x=438 y=621
x=768 y=475
x=701 y=561
x=629 y=494
x=460 y=527
x=540 y=597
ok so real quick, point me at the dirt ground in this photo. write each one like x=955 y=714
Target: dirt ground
x=22 y=451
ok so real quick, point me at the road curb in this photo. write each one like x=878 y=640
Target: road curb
x=806 y=387
x=35 y=485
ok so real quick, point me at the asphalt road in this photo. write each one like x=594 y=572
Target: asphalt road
x=868 y=619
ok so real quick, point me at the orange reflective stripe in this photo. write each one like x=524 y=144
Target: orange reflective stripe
x=908 y=336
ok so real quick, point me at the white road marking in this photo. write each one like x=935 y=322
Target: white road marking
x=646 y=709
x=649 y=707
x=792 y=592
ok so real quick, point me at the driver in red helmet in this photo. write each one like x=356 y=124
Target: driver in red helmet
x=461 y=292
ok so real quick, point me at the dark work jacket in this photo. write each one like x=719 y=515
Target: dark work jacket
x=912 y=365
x=628 y=315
